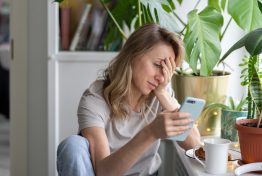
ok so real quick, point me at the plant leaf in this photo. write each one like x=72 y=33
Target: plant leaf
x=223 y=4
x=202 y=39
x=231 y=102
x=180 y=1
x=165 y=18
x=214 y=4
x=253 y=44
x=260 y=5
x=246 y=13
x=256 y=90
x=124 y=12
x=217 y=105
x=241 y=105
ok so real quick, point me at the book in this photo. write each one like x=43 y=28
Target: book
x=82 y=29
x=65 y=13
x=99 y=18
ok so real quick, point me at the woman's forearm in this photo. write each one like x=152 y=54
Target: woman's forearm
x=123 y=159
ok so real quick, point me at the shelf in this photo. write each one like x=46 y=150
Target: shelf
x=91 y=56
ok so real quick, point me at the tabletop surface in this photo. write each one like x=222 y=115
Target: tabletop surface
x=195 y=168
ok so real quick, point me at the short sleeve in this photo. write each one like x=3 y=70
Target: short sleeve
x=92 y=111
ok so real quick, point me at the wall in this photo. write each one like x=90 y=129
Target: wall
x=29 y=88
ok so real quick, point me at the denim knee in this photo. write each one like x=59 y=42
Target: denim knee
x=73 y=157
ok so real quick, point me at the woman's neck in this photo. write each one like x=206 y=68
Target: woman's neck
x=134 y=104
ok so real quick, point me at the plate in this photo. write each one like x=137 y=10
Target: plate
x=235 y=155
x=248 y=168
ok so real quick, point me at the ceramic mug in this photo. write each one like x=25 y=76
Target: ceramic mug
x=216 y=155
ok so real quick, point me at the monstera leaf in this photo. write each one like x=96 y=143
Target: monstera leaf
x=251 y=41
x=161 y=15
x=246 y=13
x=202 y=40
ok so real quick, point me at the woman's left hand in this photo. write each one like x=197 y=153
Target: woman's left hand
x=168 y=69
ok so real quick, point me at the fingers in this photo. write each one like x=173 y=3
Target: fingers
x=178 y=129
x=177 y=122
x=181 y=122
x=173 y=63
x=169 y=67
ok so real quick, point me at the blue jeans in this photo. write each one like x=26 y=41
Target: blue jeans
x=73 y=157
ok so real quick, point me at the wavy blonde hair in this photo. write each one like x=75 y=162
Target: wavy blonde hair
x=118 y=75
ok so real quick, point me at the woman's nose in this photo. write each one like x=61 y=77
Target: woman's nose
x=159 y=77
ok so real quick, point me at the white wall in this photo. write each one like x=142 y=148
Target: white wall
x=69 y=75
x=18 y=90
x=74 y=79
x=29 y=88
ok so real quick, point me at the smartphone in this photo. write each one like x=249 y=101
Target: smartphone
x=193 y=106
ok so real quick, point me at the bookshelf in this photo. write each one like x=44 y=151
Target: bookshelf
x=82 y=26
x=69 y=74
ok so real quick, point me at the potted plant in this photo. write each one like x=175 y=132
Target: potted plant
x=250 y=130
x=230 y=112
x=202 y=35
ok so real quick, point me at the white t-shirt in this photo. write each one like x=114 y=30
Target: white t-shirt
x=93 y=111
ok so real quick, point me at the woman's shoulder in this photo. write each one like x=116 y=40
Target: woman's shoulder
x=93 y=97
x=95 y=89
x=94 y=94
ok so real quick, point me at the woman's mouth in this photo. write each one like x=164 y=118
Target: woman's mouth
x=152 y=85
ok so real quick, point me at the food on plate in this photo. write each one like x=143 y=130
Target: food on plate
x=200 y=153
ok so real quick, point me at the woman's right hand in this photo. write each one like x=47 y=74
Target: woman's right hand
x=168 y=124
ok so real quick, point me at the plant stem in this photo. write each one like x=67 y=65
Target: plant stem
x=223 y=33
x=197 y=4
x=139 y=13
x=249 y=104
x=259 y=121
x=114 y=20
x=179 y=19
x=183 y=29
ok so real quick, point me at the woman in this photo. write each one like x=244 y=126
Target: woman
x=123 y=116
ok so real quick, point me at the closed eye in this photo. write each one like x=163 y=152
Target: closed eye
x=157 y=65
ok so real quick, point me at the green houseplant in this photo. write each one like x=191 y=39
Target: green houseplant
x=202 y=34
x=250 y=130
x=230 y=112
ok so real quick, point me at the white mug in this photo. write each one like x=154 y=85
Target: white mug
x=216 y=155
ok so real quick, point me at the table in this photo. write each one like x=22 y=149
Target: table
x=194 y=168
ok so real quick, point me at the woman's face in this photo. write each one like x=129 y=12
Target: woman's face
x=147 y=70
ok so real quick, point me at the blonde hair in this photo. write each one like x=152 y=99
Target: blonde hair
x=118 y=75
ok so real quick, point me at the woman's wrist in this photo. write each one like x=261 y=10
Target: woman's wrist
x=166 y=101
x=160 y=91
x=149 y=132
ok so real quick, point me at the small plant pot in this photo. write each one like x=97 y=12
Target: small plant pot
x=250 y=141
x=228 y=121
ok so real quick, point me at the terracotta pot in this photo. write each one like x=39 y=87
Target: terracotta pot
x=250 y=140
